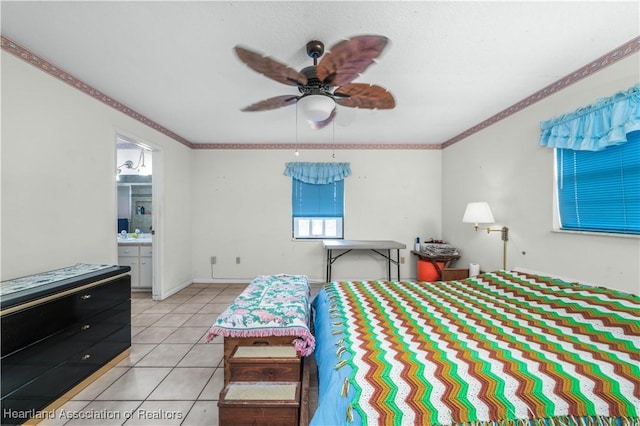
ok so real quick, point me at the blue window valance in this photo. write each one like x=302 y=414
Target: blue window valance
x=318 y=173
x=595 y=127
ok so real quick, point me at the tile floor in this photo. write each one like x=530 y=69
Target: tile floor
x=172 y=377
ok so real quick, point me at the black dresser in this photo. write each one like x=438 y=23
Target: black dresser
x=58 y=328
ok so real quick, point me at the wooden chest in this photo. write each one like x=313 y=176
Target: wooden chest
x=259 y=403
x=264 y=364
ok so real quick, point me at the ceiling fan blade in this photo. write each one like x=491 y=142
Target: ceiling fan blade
x=349 y=58
x=320 y=124
x=272 y=103
x=270 y=67
x=362 y=95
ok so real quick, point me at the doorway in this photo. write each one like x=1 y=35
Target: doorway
x=138 y=213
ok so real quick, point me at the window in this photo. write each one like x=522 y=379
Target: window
x=599 y=191
x=317 y=198
x=317 y=210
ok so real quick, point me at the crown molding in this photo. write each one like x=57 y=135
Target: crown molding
x=615 y=55
x=308 y=146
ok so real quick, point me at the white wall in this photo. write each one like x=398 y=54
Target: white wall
x=242 y=207
x=59 y=194
x=58 y=179
x=505 y=166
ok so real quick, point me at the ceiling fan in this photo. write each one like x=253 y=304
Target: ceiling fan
x=326 y=83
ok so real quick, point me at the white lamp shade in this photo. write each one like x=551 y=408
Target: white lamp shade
x=316 y=107
x=478 y=212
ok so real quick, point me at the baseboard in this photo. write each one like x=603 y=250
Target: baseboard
x=241 y=280
x=222 y=280
x=175 y=290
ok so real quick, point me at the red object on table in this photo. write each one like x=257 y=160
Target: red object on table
x=427 y=271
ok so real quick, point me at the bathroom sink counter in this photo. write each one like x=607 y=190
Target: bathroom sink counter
x=130 y=241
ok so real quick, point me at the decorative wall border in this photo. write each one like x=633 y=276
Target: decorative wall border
x=308 y=146
x=615 y=55
x=621 y=52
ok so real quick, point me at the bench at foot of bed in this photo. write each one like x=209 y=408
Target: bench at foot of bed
x=266 y=332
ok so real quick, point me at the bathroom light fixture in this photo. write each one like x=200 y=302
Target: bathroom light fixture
x=128 y=164
x=141 y=168
x=479 y=212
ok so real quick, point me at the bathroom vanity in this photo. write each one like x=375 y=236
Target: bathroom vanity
x=60 y=328
x=137 y=253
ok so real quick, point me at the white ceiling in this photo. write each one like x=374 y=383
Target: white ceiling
x=450 y=64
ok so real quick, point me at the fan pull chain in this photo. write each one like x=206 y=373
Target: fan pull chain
x=333 y=128
x=296 y=153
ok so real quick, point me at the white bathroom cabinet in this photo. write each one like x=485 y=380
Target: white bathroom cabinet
x=139 y=257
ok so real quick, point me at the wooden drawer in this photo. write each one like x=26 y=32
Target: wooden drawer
x=146 y=251
x=25 y=327
x=263 y=364
x=128 y=250
x=40 y=392
x=96 y=299
x=230 y=344
x=259 y=403
x=21 y=393
x=106 y=349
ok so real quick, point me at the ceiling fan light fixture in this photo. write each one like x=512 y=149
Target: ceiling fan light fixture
x=316 y=107
x=344 y=62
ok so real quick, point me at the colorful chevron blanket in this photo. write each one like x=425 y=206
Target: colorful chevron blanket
x=272 y=305
x=503 y=348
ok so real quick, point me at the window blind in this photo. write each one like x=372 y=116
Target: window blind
x=313 y=200
x=599 y=191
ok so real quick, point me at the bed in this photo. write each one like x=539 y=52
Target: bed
x=503 y=348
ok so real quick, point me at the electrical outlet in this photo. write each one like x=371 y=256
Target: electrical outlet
x=237 y=260
x=402 y=260
x=213 y=260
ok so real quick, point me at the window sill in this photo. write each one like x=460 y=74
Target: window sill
x=598 y=234
x=315 y=239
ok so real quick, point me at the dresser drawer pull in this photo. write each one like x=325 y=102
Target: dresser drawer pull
x=85 y=296
x=86 y=357
x=85 y=327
